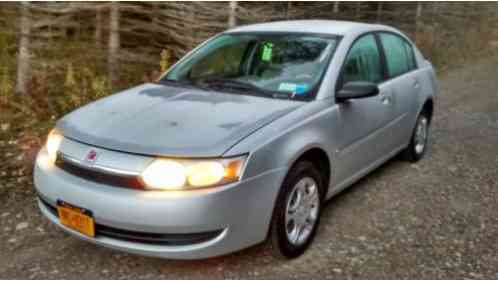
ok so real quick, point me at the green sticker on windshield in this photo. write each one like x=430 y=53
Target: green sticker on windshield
x=267 y=51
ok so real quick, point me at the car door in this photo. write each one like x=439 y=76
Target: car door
x=364 y=123
x=403 y=82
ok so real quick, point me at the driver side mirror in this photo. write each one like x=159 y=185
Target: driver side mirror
x=357 y=90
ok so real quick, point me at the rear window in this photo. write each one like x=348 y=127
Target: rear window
x=399 y=54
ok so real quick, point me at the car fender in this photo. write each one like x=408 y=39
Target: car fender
x=279 y=144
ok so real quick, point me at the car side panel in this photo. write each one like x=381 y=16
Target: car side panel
x=428 y=89
x=280 y=143
x=405 y=90
x=365 y=132
x=410 y=91
x=317 y=125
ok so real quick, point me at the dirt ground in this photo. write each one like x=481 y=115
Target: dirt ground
x=434 y=219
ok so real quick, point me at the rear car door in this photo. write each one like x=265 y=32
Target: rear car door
x=402 y=79
x=364 y=130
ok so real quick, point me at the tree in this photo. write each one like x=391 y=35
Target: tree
x=24 y=43
x=336 y=7
x=114 y=44
x=379 y=12
x=98 y=27
x=418 y=21
x=232 y=14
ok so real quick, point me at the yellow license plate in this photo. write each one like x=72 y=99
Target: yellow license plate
x=76 y=218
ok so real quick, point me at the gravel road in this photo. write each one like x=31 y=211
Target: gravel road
x=434 y=219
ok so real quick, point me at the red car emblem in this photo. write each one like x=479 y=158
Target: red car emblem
x=91 y=156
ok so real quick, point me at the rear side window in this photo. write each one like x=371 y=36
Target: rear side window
x=363 y=62
x=399 y=54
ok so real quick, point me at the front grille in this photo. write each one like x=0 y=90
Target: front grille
x=172 y=239
x=98 y=176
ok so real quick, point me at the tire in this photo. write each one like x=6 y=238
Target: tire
x=288 y=217
x=419 y=139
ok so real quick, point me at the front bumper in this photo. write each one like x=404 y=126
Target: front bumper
x=241 y=211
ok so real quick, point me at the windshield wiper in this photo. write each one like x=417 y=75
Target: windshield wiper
x=230 y=83
x=246 y=87
x=226 y=83
x=185 y=83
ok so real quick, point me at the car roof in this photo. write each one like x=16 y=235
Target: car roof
x=311 y=26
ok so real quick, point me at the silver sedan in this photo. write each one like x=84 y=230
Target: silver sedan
x=241 y=141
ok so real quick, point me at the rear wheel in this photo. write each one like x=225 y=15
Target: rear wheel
x=418 y=143
x=297 y=211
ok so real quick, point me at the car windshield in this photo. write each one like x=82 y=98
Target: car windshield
x=272 y=65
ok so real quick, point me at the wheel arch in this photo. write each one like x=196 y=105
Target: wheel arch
x=429 y=107
x=316 y=155
x=320 y=159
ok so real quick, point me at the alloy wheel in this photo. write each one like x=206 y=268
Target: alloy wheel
x=421 y=135
x=302 y=211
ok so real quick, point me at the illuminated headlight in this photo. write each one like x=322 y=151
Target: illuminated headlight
x=176 y=174
x=53 y=142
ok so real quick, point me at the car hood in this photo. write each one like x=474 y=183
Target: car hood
x=163 y=120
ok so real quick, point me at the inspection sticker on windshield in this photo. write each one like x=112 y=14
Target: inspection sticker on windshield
x=293 y=88
x=267 y=51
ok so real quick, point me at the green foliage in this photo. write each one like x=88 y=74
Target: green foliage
x=70 y=76
x=81 y=87
x=100 y=87
x=6 y=86
x=5 y=42
x=166 y=58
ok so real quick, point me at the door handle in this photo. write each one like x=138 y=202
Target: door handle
x=416 y=84
x=385 y=99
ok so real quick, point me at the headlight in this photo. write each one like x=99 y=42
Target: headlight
x=164 y=174
x=205 y=173
x=53 y=142
x=174 y=174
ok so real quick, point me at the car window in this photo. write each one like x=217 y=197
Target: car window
x=399 y=54
x=224 y=58
x=410 y=54
x=363 y=62
x=276 y=64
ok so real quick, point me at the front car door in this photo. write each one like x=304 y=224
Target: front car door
x=364 y=123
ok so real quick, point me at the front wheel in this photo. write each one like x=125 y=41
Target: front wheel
x=297 y=211
x=418 y=142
